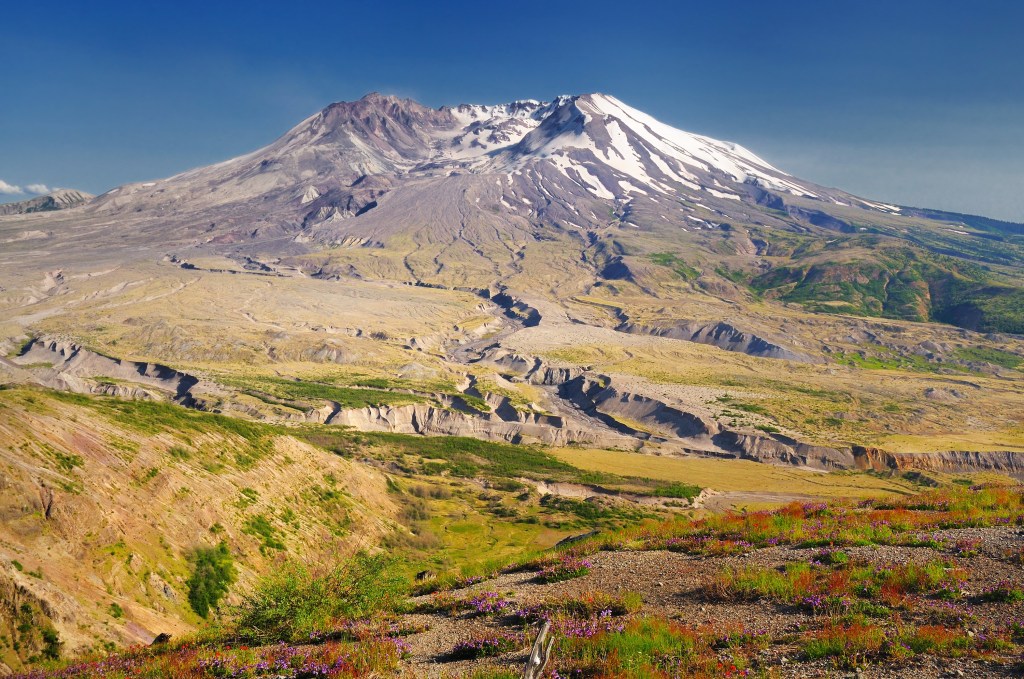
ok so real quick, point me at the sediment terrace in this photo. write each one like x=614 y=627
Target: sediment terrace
x=581 y=407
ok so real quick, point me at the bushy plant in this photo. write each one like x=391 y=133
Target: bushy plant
x=487 y=645
x=567 y=568
x=1003 y=592
x=213 y=572
x=295 y=601
x=849 y=644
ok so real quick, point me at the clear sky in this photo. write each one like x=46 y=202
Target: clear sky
x=918 y=102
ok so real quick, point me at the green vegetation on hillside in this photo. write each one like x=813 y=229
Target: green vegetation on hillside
x=213 y=572
x=865 y=275
x=680 y=267
x=346 y=397
x=1004 y=359
x=298 y=603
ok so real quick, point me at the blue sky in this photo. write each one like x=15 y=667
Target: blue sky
x=909 y=101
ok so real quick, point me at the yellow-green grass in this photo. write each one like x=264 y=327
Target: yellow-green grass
x=471 y=538
x=982 y=441
x=734 y=475
x=900 y=410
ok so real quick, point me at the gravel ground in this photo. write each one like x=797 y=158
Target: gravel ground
x=675 y=585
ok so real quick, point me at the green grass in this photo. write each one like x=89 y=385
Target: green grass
x=67 y=462
x=678 y=266
x=676 y=490
x=644 y=648
x=1004 y=359
x=459 y=456
x=737 y=276
x=910 y=362
x=296 y=601
x=346 y=397
x=850 y=644
x=258 y=526
x=155 y=417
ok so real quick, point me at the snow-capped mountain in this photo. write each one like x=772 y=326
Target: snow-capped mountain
x=576 y=191
x=332 y=177
x=562 y=196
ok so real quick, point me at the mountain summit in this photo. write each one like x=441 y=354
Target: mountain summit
x=594 y=141
x=549 y=163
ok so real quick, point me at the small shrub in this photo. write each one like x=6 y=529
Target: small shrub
x=294 y=602
x=967 y=547
x=592 y=603
x=566 y=569
x=487 y=646
x=441 y=602
x=212 y=574
x=488 y=603
x=849 y=644
x=51 y=643
x=832 y=557
x=1003 y=592
x=937 y=640
x=259 y=526
x=179 y=452
x=642 y=648
x=632 y=602
x=677 y=490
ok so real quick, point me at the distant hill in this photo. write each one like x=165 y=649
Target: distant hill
x=59 y=199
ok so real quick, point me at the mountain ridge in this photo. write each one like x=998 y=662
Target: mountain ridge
x=58 y=199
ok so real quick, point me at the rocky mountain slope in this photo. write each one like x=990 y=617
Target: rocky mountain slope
x=59 y=199
x=572 y=193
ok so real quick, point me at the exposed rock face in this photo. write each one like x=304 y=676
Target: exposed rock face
x=784 y=450
x=71 y=367
x=624 y=411
x=23 y=614
x=588 y=409
x=1004 y=462
x=517 y=309
x=549 y=376
x=520 y=428
x=721 y=335
x=343 y=203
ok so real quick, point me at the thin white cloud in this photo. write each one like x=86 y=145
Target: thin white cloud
x=9 y=188
x=37 y=188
